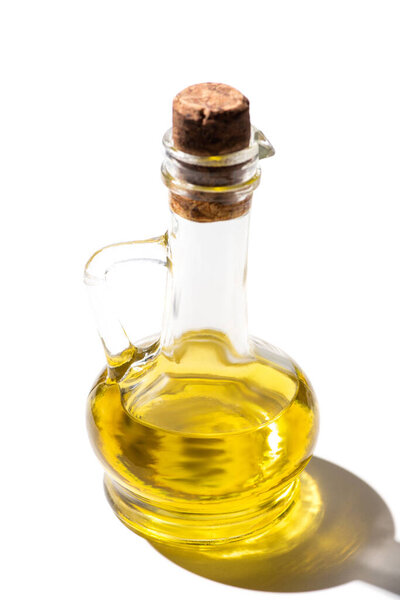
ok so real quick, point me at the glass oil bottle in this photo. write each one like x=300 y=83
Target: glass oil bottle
x=203 y=430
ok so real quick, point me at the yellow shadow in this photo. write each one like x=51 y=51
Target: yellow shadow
x=338 y=530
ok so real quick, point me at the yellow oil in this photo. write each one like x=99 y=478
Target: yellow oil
x=201 y=445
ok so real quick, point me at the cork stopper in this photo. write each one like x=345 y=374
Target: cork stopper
x=210 y=119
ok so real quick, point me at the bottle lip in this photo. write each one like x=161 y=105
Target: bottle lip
x=235 y=192
x=258 y=148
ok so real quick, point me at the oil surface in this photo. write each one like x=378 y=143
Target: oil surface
x=198 y=434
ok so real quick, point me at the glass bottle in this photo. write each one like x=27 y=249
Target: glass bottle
x=203 y=430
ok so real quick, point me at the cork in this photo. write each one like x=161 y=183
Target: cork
x=206 y=211
x=210 y=119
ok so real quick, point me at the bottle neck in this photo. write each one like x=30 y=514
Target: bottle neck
x=206 y=287
x=210 y=199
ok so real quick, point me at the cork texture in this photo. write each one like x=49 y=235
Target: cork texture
x=208 y=211
x=210 y=119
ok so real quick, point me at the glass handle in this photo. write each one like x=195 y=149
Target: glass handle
x=119 y=350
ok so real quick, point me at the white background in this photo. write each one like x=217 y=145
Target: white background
x=86 y=91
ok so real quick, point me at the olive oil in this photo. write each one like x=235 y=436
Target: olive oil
x=200 y=443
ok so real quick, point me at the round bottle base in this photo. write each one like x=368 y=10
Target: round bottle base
x=208 y=529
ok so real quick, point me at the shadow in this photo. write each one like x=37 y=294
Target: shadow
x=339 y=530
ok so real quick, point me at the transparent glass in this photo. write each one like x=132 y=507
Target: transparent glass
x=203 y=430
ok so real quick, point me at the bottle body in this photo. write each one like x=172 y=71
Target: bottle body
x=202 y=445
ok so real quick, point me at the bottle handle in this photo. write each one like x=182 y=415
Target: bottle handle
x=119 y=350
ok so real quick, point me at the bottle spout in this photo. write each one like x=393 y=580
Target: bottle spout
x=265 y=148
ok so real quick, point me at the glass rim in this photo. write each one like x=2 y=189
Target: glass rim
x=259 y=147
